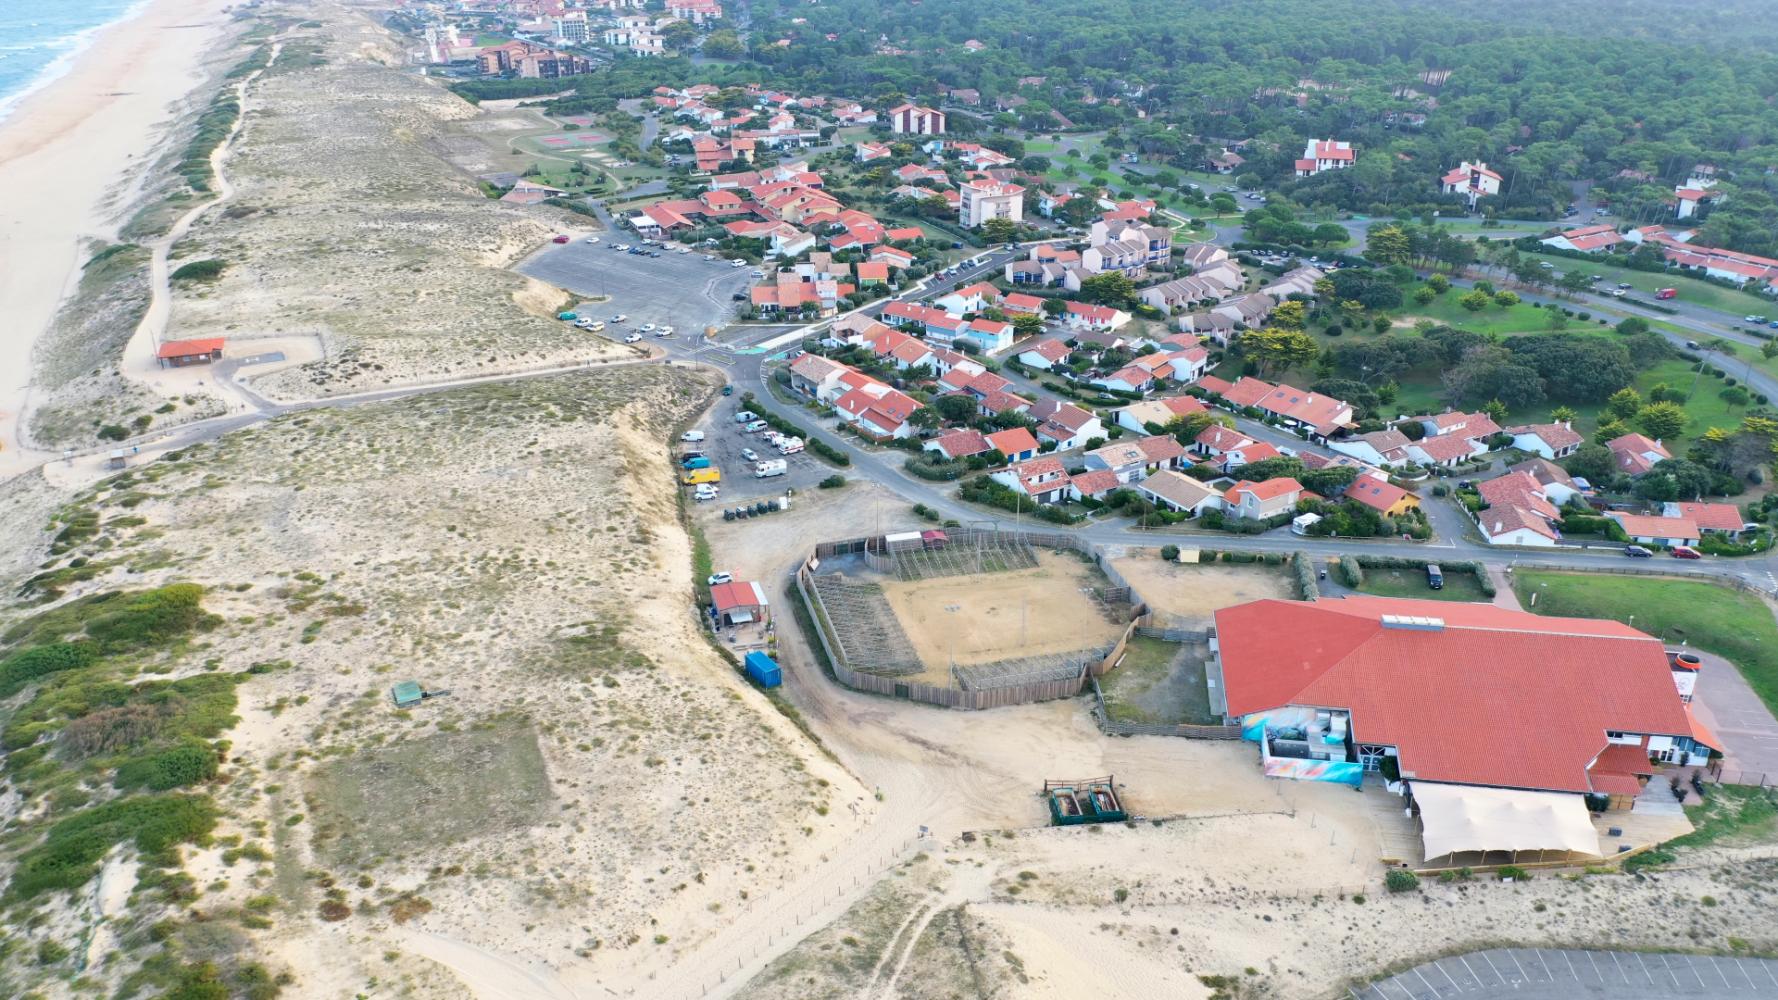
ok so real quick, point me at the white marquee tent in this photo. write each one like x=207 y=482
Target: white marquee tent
x=1457 y=819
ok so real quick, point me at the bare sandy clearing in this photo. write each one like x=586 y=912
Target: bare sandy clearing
x=1002 y=615
x=1195 y=592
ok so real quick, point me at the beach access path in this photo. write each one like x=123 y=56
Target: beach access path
x=69 y=157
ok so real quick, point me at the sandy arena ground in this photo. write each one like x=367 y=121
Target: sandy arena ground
x=1000 y=616
x=1194 y=593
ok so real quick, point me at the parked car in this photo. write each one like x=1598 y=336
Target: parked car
x=620 y=318
x=746 y=416
x=709 y=256
x=1637 y=552
x=632 y=338
x=692 y=436
x=596 y=326
x=665 y=331
x=755 y=427
x=1623 y=284
x=728 y=390
x=1435 y=577
x=720 y=577
x=737 y=262
x=706 y=492
x=1692 y=344
x=648 y=328
x=1667 y=293
x=1685 y=552
x=560 y=239
x=749 y=454
x=592 y=240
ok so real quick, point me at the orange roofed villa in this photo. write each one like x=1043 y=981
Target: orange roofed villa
x=1505 y=731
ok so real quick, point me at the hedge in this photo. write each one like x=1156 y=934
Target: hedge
x=1305 y=576
x=938 y=472
x=1351 y=574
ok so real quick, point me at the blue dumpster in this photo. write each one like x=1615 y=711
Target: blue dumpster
x=763 y=670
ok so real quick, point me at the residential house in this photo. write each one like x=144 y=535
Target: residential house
x=1224 y=162
x=1081 y=316
x=1322 y=155
x=1296 y=281
x=1155 y=242
x=1321 y=415
x=1246 y=453
x=1635 y=454
x=1518 y=512
x=817 y=377
x=1382 y=496
x=1385 y=447
x=1473 y=181
x=1550 y=441
x=1016 y=443
x=1069 y=426
x=1209 y=285
x=740 y=602
x=1042 y=479
x=910 y=119
x=1129 y=378
x=989 y=199
x=1140 y=415
x=1720 y=518
x=1259 y=501
x=1095 y=485
x=878 y=410
x=865 y=152
x=1664 y=532
x=1020 y=304
x=895 y=257
x=1179 y=492
x=958 y=444
x=1044 y=354
x=1216 y=440
x=1446 y=451
x=1586 y=239
x=1557 y=484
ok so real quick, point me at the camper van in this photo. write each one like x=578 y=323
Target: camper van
x=1435 y=577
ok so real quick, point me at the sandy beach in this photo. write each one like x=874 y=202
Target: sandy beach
x=63 y=152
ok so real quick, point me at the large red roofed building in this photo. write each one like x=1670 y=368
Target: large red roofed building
x=1457 y=694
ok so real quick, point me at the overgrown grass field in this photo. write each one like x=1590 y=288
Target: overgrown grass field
x=1730 y=623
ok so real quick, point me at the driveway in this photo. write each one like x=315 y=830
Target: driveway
x=682 y=290
x=1725 y=703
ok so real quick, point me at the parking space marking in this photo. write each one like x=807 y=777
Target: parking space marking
x=1516 y=965
x=1714 y=964
x=1492 y=969
x=1423 y=979
x=1447 y=976
x=1471 y=971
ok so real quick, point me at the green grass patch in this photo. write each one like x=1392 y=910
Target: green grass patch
x=1646 y=283
x=1720 y=620
x=1158 y=682
x=70 y=852
x=429 y=792
x=1729 y=816
x=1381 y=582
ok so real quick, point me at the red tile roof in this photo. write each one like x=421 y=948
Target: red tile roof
x=1095 y=482
x=1643 y=526
x=1270 y=489
x=1713 y=516
x=1461 y=700
x=1014 y=441
x=963 y=442
x=1378 y=494
x=191 y=348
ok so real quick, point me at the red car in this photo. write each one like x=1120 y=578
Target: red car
x=560 y=239
x=1685 y=552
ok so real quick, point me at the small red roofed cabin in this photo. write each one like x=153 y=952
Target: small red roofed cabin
x=182 y=353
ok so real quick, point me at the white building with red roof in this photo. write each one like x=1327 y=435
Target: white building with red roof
x=1636 y=454
x=1586 y=239
x=878 y=410
x=1723 y=518
x=1465 y=702
x=1518 y=511
x=1471 y=180
x=961 y=443
x=1664 y=532
x=1322 y=155
x=1550 y=441
x=1258 y=501
x=1086 y=316
x=912 y=119
x=981 y=200
x=1069 y=426
x=1042 y=479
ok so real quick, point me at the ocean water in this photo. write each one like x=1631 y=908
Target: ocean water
x=40 y=38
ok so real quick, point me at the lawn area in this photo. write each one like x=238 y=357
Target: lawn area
x=1157 y=683
x=1381 y=582
x=1693 y=290
x=1445 y=310
x=1721 y=620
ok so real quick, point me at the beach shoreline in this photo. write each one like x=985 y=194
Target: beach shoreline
x=64 y=148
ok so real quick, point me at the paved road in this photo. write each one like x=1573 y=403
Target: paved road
x=682 y=290
x=1547 y=974
x=1724 y=702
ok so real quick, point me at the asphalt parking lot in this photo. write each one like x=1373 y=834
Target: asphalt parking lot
x=723 y=443
x=684 y=291
x=1544 y=974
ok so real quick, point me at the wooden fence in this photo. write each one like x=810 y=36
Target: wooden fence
x=930 y=694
